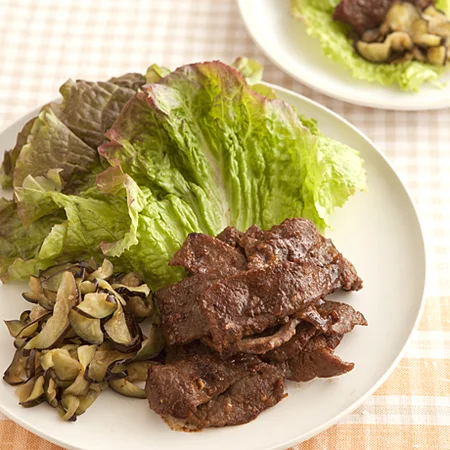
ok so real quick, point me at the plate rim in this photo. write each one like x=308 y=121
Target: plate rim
x=313 y=432
x=352 y=100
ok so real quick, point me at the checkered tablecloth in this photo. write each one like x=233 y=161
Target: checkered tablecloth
x=43 y=43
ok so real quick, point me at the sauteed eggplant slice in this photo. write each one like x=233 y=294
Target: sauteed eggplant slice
x=82 y=335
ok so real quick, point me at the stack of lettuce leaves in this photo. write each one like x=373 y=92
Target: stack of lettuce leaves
x=125 y=169
x=338 y=46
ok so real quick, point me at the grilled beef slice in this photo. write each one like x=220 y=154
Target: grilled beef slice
x=341 y=318
x=251 y=301
x=259 y=344
x=231 y=236
x=207 y=391
x=205 y=254
x=259 y=389
x=289 y=268
x=297 y=240
x=182 y=319
x=316 y=360
x=310 y=353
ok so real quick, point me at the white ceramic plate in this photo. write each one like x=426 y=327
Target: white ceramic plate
x=378 y=231
x=284 y=40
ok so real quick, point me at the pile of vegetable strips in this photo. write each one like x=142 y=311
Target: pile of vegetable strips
x=126 y=168
x=337 y=45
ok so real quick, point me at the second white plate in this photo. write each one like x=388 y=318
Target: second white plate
x=284 y=40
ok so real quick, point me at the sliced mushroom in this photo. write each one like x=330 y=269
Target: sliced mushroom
x=36 y=395
x=151 y=346
x=421 y=36
x=437 y=55
x=87 y=400
x=381 y=51
x=418 y=54
x=51 y=391
x=104 y=272
x=401 y=16
x=58 y=324
x=431 y=11
x=439 y=27
x=65 y=367
x=96 y=370
x=116 y=328
x=98 y=305
x=69 y=404
x=372 y=35
x=399 y=59
x=125 y=387
x=88 y=286
x=88 y=328
x=16 y=372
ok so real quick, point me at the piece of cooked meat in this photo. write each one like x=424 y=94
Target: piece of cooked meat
x=182 y=319
x=251 y=314
x=205 y=254
x=231 y=236
x=311 y=315
x=249 y=302
x=190 y=389
x=177 y=389
x=305 y=331
x=291 y=241
x=261 y=344
x=332 y=317
x=175 y=353
x=316 y=360
x=341 y=318
x=297 y=240
x=290 y=267
x=310 y=352
x=259 y=389
x=338 y=319
x=363 y=15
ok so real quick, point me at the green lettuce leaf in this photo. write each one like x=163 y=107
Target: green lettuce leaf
x=19 y=246
x=89 y=109
x=118 y=220
x=94 y=223
x=51 y=145
x=194 y=152
x=10 y=156
x=133 y=81
x=66 y=135
x=234 y=157
x=155 y=73
x=317 y=15
x=250 y=69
